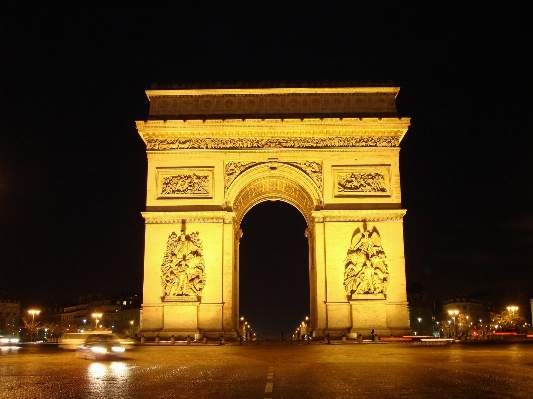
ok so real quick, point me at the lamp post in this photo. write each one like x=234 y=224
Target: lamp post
x=513 y=309
x=454 y=314
x=97 y=317
x=33 y=312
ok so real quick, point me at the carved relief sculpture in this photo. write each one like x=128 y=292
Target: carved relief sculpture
x=185 y=184
x=162 y=144
x=366 y=270
x=311 y=169
x=361 y=182
x=234 y=169
x=183 y=269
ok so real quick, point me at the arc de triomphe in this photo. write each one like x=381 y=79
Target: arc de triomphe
x=331 y=152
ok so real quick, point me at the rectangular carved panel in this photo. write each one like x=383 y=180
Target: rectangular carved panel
x=361 y=181
x=184 y=183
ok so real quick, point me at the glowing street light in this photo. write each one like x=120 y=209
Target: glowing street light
x=454 y=314
x=97 y=316
x=512 y=309
x=33 y=312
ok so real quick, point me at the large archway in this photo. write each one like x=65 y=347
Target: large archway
x=332 y=153
x=274 y=269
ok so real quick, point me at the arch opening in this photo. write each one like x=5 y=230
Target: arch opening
x=274 y=286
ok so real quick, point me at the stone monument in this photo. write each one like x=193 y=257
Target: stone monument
x=331 y=152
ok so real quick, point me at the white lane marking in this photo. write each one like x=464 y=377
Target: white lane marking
x=270 y=385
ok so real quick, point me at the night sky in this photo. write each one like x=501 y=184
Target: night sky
x=73 y=167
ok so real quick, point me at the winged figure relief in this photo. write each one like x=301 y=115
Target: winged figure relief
x=183 y=268
x=365 y=266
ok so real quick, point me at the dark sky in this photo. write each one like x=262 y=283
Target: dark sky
x=73 y=168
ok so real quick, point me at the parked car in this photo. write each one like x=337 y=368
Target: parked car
x=101 y=346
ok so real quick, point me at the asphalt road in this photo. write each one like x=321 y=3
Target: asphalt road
x=274 y=370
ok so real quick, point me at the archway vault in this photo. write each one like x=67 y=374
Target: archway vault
x=273 y=181
x=331 y=152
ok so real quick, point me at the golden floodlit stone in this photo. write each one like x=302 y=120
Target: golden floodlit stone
x=332 y=153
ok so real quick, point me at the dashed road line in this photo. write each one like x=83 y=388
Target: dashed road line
x=270 y=385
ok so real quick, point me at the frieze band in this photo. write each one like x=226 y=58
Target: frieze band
x=156 y=144
x=359 y=216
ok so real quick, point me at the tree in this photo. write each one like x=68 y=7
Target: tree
x=508 y=320
x=31 y=326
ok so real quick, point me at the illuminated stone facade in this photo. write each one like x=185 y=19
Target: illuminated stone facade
x=333 y=153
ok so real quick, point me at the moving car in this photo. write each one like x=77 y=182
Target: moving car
x=71 y=341
x=9 y=340
x=101 y=346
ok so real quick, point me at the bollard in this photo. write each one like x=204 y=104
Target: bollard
x=142 y=339
x=172 y=340
x=343 y=339
x=240 y=339
x=157 y=339
x=205 y=339
x=222 y=342
x=360 y=338
x=188 y=340
x=376 y=338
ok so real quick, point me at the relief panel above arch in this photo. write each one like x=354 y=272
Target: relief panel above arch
x=232 y=169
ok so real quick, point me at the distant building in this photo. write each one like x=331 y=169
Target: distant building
x=477 y=310
x=117 y=312
x=9 y=314
x=421 y=313
x=531 y=302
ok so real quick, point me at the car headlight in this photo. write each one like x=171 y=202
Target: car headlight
x=118 y=349
x=98 y=349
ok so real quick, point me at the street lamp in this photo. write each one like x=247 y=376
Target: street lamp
x=454 y=314
x=33 y=312
x=97 y=317
x=512 y=309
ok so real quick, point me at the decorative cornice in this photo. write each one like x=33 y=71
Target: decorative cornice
x=272 y=133
x=270 y=90
x=359 y=216
x=296 y=123
x=189 y=217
